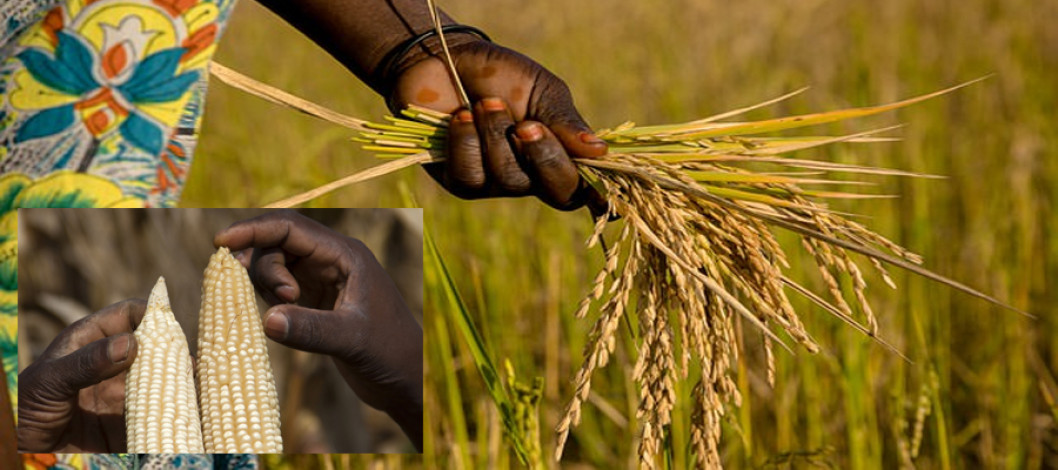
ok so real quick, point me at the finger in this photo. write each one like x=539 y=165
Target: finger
x=464 y=174
x=495 y=124
x=287 y=230
x=319 y=331
x=121 y=317
x=579 y=140
x=556 y=110
x=269 y=273
x=244 y=257
x=554 y=175
x=91 y=364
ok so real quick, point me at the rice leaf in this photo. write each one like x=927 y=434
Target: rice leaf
x=482 y=360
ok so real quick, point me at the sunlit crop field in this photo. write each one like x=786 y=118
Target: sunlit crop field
x=979 y=389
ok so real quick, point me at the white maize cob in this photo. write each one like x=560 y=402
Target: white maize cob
x=240 y=409
x=161 y=410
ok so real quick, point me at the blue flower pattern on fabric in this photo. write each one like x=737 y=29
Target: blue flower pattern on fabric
x=154 y=80
x=46 y=123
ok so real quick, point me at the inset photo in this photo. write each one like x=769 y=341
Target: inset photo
x=220 y=331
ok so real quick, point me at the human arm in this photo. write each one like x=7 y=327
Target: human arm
x=523 y=128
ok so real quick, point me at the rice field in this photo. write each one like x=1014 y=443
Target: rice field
x=978 y=389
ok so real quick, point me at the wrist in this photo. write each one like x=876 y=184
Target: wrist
x=415 y=49
x=405 y=404
x=409 y=418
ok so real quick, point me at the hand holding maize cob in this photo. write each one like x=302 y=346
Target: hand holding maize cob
x=349 y=308
x=67 y=397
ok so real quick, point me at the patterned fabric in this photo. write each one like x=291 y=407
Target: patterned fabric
x=170 y=461
x=140 y=462
x=108 y=87
x=52 y=461
x=101 y=103
x=107 y=461
x=101 y=100
x=15 y=15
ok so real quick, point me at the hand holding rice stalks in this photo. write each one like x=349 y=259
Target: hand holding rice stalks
x=696 y=244
x=698 y=250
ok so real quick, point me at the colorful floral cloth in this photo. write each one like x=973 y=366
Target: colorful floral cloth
x=140 y=462
x=109 y=87
x=100 y=107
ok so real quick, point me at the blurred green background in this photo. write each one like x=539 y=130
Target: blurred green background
x=980 y=389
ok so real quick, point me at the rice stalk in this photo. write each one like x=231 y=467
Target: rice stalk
x=516 y=403
x=697 y=250
x=435 y=18
x=698 y=244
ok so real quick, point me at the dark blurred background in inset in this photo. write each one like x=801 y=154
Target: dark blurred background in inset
x=73 y=262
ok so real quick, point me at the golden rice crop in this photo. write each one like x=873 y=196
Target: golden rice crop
x=695 y=248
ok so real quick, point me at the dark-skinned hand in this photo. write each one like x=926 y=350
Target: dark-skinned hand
x=72 y=399
x=520 y=134
x=331 y=296
x=516 y=139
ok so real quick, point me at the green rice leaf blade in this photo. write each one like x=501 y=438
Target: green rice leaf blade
x=474 y=342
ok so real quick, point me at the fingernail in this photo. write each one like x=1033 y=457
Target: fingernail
x=493 y=104
x=465 y=116
x=589 y=138
x=118 y=349
x=530 y=132
x=276 y=326
x=286 y=293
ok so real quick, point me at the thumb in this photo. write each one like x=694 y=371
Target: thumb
x=92 y=364
x=308 y=329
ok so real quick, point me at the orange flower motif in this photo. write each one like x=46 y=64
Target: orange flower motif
x=39 y=461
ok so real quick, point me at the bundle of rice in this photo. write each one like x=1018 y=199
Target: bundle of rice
x=695 y=248
x=697 y=245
